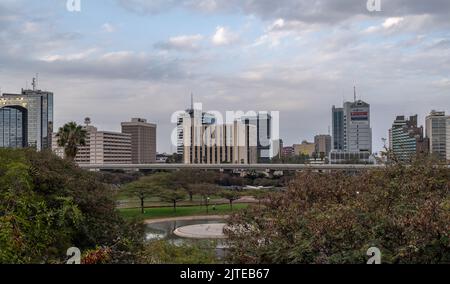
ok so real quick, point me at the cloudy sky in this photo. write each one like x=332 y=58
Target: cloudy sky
x=117 y=59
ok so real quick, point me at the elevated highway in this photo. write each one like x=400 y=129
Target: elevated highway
x=230 y=167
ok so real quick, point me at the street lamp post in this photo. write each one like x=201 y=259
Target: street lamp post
x=207 y=205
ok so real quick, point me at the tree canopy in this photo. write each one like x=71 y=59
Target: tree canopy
x=48 y=205
x=336 y=217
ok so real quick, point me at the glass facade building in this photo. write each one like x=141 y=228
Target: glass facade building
x=338 y=128
x=407 y=139
x=13 y=127
x=26 y=120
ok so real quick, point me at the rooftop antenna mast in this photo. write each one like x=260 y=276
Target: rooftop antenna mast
x=33 y=83
x=192 y=100
x=354 y=91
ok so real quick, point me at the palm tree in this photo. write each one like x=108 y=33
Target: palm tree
x=71 y=136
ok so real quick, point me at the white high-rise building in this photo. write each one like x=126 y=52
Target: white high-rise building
x=207 y=141
x=219 y=143
x=357 y=130
x=436 y=131
x=352 y=133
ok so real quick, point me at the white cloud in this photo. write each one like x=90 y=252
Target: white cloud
x=181 y=43
x=392 y=22
x=224 y=36
x=281 y=29
x=302 y=78
x=410 y=24
x=323 y=11
x=69 y=57
x=387 y=25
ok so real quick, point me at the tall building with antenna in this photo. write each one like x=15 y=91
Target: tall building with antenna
x=188 y=116
x=26 y=119
x=352 y=132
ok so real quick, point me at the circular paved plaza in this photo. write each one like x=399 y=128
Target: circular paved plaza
x=202 y=231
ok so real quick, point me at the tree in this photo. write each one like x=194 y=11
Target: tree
x=174 y=159
x=231 y=196
x=189 y=179
x=173 y=196
x=146 y=187
x=206 y=190
x=322 y=156
x=231 y=180
x=71 y=136
x=260 y=195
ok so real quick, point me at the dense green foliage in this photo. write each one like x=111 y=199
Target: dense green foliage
x=164 y=252
x=336 y=217
x=48 y=205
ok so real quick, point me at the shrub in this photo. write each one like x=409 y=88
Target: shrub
x=336 y=217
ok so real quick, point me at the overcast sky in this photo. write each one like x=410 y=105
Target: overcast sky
x=117 y=59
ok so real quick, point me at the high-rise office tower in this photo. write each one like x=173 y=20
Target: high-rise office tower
x=143 y=140
x=352 y=133
x=338 y=128
x=207 y=141
x=267 y=148
x=187 y=117
x=436 y=131
x=357 y=130
x=448 y=139
x=26 y=119
x=407 y=138
x=233 y=143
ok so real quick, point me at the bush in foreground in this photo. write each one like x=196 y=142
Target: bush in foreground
x=335 y=218
x=48 y=205
x=165 y=252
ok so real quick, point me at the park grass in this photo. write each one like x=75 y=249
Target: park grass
x=168 y=212
x=133 y=202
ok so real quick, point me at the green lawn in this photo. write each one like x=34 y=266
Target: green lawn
x=167 y=212
x=133 y=202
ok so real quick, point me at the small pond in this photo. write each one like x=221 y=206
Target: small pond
x=165 y=231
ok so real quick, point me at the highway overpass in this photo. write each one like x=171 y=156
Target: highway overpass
x=229 y=167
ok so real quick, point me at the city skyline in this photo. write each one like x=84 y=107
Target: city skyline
x=333 y=133
x=114 y=59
